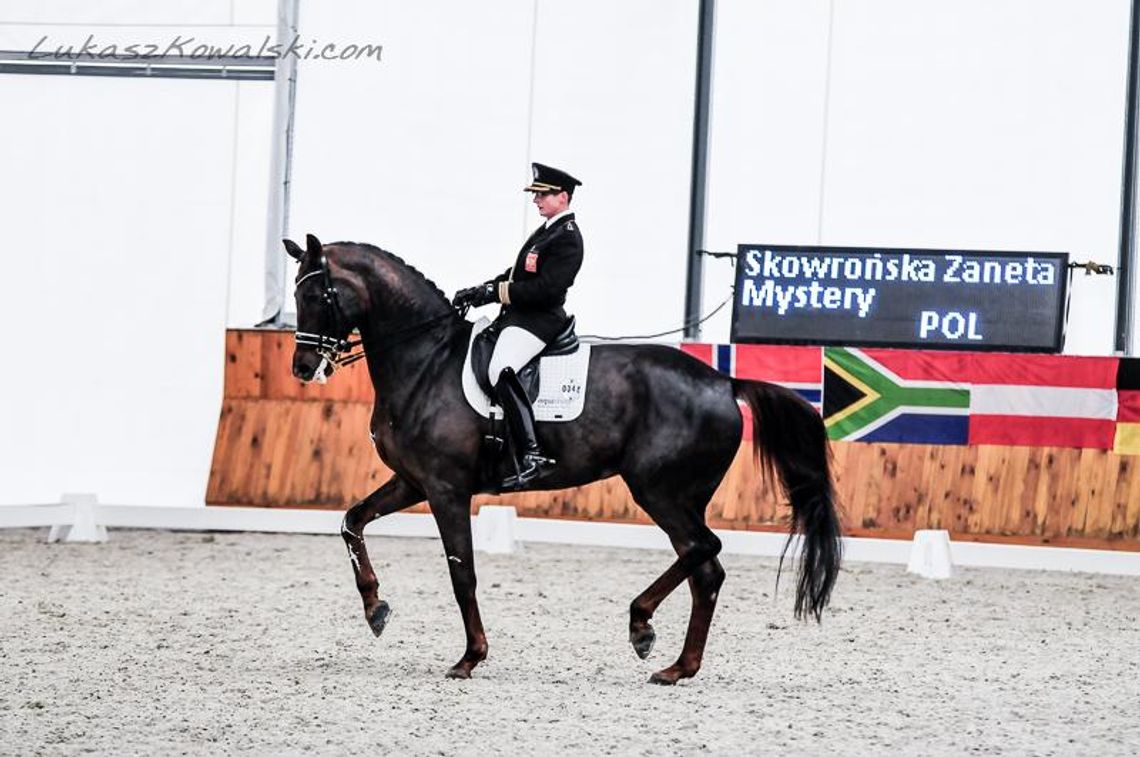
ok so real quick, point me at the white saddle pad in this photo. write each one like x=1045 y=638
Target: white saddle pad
x=561 y=384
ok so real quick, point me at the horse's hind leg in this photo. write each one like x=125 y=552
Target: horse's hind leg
x=691 y=553
x=697 y=547
x=676 y=502
x=704 y=584
x=395 y=495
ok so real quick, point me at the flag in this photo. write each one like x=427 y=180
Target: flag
x=935 y=397
x=700 y=350
x=895 y=396
x=1042 y=400
x=797 y=368
x=1127 y=441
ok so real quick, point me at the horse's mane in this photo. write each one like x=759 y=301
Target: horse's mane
x=403 y=264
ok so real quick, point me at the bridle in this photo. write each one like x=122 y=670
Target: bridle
x=334 y=350
x=341 y=351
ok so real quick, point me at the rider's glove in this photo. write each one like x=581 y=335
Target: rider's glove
x=475 y=296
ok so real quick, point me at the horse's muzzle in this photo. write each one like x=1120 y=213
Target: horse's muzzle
x=311 y=366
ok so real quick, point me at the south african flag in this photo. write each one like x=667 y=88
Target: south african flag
x=896 y=396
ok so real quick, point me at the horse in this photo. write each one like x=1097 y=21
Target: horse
x=665 y=422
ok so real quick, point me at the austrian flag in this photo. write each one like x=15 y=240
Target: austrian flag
x=1040 y=400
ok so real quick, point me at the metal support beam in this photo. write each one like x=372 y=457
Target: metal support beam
x=1125 y=270
x=136 y=67
x=281 y=166
x=694 y=281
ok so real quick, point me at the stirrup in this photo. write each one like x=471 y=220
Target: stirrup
x=531 y=467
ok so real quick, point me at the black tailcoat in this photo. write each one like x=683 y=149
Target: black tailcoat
x=543 y=271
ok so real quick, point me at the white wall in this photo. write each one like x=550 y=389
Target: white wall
x=423 y=153
x=980 y=124
x=426 y=154
x=613 y=105
x=1135 y=348
x=128 y=209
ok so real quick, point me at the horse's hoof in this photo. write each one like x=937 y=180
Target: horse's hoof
x=643 y=641
x=459 y=672
x=379 y=618
x=666 y=677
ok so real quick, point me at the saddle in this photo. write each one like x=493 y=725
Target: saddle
x=566 y=343
x=556 y=391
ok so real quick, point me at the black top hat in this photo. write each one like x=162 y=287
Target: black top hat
x=547 y=179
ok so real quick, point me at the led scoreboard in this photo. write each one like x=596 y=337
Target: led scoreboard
x=935 y=299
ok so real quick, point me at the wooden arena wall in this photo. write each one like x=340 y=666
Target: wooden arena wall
x=284 y=444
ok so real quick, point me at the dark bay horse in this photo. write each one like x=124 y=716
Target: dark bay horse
x=665 y=422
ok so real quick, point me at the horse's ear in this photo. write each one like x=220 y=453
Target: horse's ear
x=293 y=249
x=313 y=245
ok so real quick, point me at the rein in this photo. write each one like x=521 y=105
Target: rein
x=342 y=351
x=387 y=341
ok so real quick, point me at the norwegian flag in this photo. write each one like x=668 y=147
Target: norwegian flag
x=797 y=368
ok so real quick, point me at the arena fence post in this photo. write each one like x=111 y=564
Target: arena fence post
x=495 y=529
x=84 y=525
x=930 y=554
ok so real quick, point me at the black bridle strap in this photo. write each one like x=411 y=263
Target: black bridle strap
x=328 y=347
x=332 y=297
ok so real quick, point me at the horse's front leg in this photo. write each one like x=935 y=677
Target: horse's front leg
x=395 y=495
x=452 y=511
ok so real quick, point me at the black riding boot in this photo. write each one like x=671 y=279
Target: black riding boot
x=529 y=460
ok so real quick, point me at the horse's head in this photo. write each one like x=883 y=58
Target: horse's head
x=328 y=309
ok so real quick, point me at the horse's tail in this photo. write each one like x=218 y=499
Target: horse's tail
x=789 y=439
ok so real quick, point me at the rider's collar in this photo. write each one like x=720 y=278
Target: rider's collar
x=551 y=221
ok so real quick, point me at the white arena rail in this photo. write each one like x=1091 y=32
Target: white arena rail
x=81 y=518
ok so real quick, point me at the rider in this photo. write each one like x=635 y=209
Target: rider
x=532 y=293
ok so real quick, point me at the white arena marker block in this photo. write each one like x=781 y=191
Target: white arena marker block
x=930 y=554
x=84 y=527
x=495 y=529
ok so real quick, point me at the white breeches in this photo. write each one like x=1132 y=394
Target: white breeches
x=514 y=349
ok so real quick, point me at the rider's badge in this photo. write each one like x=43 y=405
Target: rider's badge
x=531 y=263
x=569 y=225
